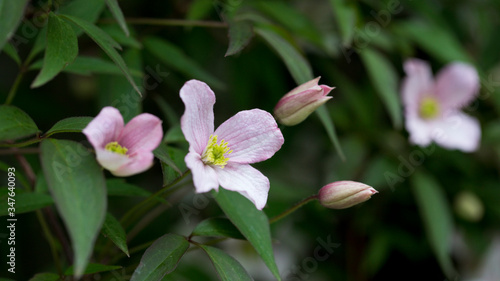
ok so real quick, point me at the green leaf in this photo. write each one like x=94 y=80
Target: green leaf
x=174 y=135
x=161 y=258
x=90 y=10
x=293 y=20
x=45 y=277
x=200 y=9
x=174 y=57
x=15 y=123
x=327 y=122
x=26 y=202
x=161 y=152
x=69 y=125
x=345 y=16
x=93 y=268
x=12 y=53
x=177 y=155
x=435 y=39
x=118 y=14
x=116 y=33
x=298 y=66
x=106 y=43
x=252 y=223
x=84 y=65
x=114 y=231
x=77 y=185
x=11 y=14
x=62 y=48
x=240 y=33
x=437 y=218
x=117 y=92
x=227 y=267
x=385 y=79
x=217 y=227
x=118 y=187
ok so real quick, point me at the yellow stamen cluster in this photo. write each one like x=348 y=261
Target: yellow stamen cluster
x=116 y=148
x=429 y=108
x=215 y=154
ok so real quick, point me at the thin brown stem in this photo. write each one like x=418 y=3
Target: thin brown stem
x=170 y=22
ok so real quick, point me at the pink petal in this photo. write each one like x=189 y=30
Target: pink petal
x=197 y=123
x=456 y=85
x=252 y=135
x=104 y=128
x=139 y=162
x=246 y=180
x=457 y=131
x=420 y=131
x=143 y=132
x=204 y=176
x=418 y=82
x=111 y=161
x=305 y=86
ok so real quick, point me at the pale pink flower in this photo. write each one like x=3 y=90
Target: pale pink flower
x=344 y=194
x=299 y=103
x=222 y=157
x=432 y=107
x=124 y=150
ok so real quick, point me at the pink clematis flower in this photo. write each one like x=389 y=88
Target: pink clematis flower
x=432 y=108
x=222 y=157
x=124 y=150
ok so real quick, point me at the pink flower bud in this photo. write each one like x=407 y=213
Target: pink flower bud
x=300 y=102
x=344 y=194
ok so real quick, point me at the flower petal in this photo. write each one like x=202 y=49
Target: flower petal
x=420 y=130
x=246 y=180
x=204 y=176
x=305 y=86
x=418 y=82
x=457 y=131
x=111 y=161
x=104 y=128
x=197 y=123
x=143 y=132
x=456 y=85
x=138 y=163
x=252 y=135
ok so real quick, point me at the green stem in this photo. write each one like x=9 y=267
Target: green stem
x=148 y=203
x=171 y=22
x=51 y=240
x=13 y=89
x=293 y=208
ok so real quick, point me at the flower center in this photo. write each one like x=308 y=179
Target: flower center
x=429 y=108
x=116 y=148
x=215 y=154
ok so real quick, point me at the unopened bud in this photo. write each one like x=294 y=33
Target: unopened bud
x=300 y=102
x=469 y=206
x=344 y=194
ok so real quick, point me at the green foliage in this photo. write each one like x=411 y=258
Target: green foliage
x=77 y=185
x=252 y=223
x=79 y=56
x=227 y=267
x=161 y=258
x=11 y=14
x=15 y=123
x=62 y=49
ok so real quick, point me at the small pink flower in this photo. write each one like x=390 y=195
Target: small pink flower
x=300 y=102
x=432 y=108
x=344 y=194
x=124 y=150
x=222 y=157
